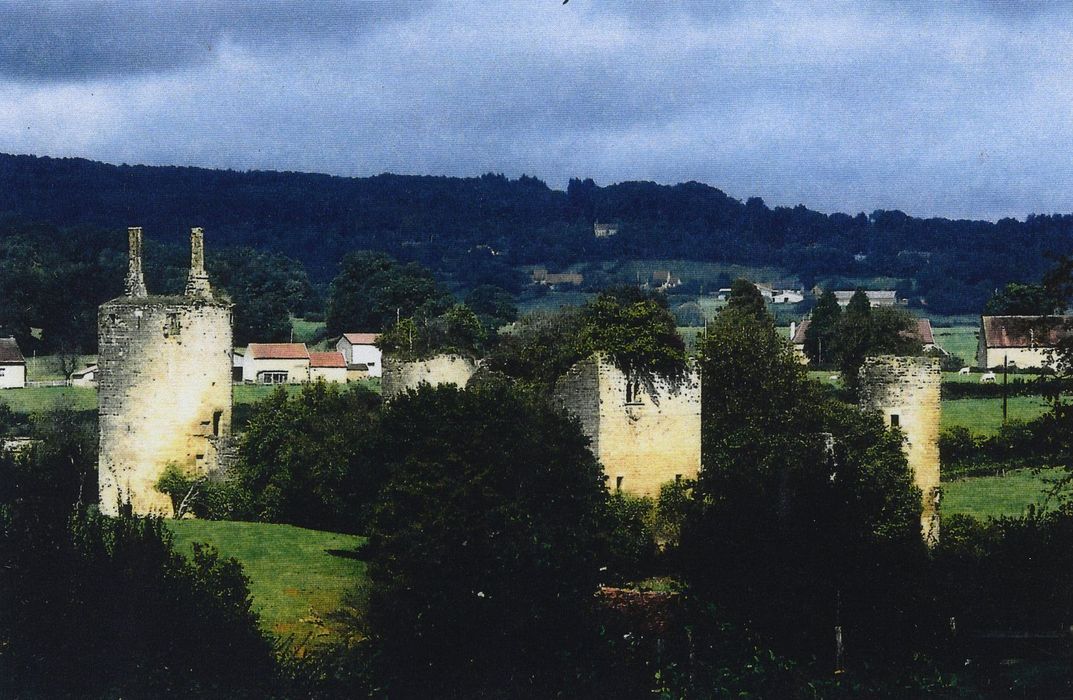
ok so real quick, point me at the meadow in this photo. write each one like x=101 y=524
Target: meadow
x=958 y=340
x=1008 y=494
x=298 y=577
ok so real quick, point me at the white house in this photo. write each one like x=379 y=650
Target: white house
x=87 y=376
x=1022 y=341
x=360 y=349
x=12 y=365
x=881 y=297
x=275 y=363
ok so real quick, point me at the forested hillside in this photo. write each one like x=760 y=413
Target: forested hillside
x=477 y=230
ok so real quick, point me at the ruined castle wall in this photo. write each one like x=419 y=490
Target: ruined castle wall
x=644 y=435
x=164 y=392
x=909 y=388
x=399 y=377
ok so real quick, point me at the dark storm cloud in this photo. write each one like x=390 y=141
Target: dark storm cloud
x=938 y=109
x=75 y=40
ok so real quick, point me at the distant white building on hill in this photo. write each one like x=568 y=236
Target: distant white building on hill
x=881 y=297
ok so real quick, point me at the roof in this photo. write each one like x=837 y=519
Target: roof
x=10 y=353
x=923 y=332
x=1025 y=331
x=84 y=371
x=327 y=359
x=847 y=294
x=277 y=351
x=361 y=338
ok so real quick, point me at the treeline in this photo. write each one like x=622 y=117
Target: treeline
x=474 y=231
x=53 y=279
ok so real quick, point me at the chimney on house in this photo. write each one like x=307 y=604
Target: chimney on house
x=135 y=282
x=197 y=283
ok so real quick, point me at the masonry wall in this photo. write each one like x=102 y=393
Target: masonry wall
x=909 y=388
x=165 y=395
x=332 y=375
x=399 y=377
x=644 y=442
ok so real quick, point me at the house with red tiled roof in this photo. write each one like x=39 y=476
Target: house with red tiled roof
x=329 y=366
x=275 y=363
x=361 y=354
x=1021 y=341
x=12 y=365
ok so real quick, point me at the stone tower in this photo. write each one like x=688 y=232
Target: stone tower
x=905 y=391
x=164 y=384
x=643 y=435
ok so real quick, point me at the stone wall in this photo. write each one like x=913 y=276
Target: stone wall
x=401 y=376
x=644 y=435
x=906 y=392
x=165 y=394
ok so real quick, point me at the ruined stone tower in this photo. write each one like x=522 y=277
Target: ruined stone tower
x=643 y=435
x=905 y=391
x=164 y=384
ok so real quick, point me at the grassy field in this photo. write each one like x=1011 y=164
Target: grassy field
x=553 y=300
x=983 y=497
x=47 y=367
x=984 y=416
x=958 y=340
x=297 y=576
x=305 y=330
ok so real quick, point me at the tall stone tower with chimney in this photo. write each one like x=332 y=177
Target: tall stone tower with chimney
x=164 y=384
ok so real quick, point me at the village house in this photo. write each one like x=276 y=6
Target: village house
x=921 y=331
x=604 y=230
x=540 y=275
x=275 y=363
x=881 y=297
x=329 y=366
x=780 y=296
x=12 y=365
x=663 y=279
x=1022 y=341
x=361 y=354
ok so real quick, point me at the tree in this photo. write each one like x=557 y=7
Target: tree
x=853 y=336
x=745 y=296
x=819 y=336
x=303 y=460
x=806 y=508
x=372 y=291
x=1016 y=299
x=493 y=305
x=638 y=335
x=483 y=547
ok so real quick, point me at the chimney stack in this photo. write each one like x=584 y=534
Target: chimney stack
x=135 y=283
x=197 y=283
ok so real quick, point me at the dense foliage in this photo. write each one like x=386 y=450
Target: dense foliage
x=484 y=547
x=476 y=230
x=101 y=607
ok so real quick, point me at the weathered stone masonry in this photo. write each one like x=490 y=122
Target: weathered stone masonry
x=906 y=392
x=645 y=436
x=400 y=376
x=164 y=385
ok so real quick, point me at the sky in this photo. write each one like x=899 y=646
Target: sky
x=961 y=109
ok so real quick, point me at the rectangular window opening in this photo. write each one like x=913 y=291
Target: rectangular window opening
x=618 y=483
x=216 y=416
x=895 y=420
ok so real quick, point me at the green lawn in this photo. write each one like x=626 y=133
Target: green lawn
x=960 y=341
x=984 y=416
x=47 y=367
x=991 y=496
x=297 y=576
x=34 y=399
x=304 y=330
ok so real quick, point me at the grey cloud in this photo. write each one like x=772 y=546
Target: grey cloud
x=65 y=41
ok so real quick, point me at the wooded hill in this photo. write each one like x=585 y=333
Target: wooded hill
x=476 y=230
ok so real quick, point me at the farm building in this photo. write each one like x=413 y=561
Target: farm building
x=1023 y=341
x=87 y=376
x=12 y=365
x=329 y=366
x=275 y=363
x=882 y=297
x=360 y=353
x=604 y=230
